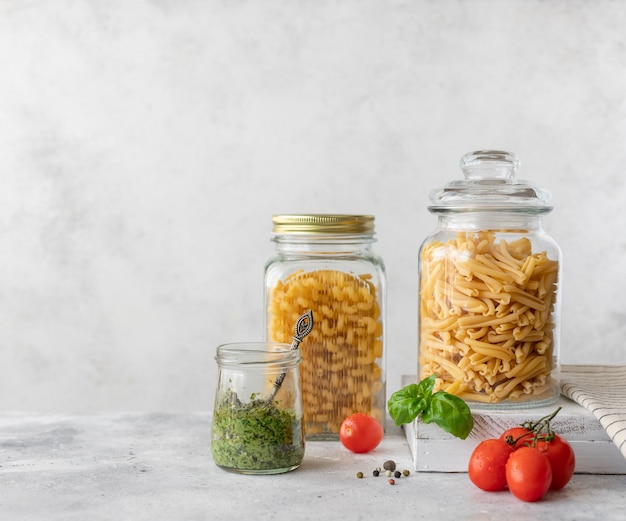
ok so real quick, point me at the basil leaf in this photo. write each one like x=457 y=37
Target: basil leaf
x=406 y=404
x=427 y=385
x=451 y=413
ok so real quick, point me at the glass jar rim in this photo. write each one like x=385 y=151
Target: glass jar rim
x=262 y=355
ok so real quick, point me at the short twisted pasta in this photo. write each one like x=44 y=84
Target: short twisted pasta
x=342 y=356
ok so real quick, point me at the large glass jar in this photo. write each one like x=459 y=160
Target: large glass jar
x=256 y=426
x=489 y=289
x=325 y=263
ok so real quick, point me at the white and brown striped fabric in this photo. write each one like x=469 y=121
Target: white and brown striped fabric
x=602 y=390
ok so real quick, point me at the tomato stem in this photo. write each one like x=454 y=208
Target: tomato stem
x=541 y=430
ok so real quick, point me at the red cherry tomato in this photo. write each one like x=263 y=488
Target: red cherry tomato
x=519 y=435
x=528 y=474
x=487 y=464
x=562 y=460
x=361 y=432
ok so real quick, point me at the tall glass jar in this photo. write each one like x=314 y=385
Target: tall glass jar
x=325 y=263
x=489 y=289
x=257 y=423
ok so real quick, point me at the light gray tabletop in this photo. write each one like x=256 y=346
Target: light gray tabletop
x=138 y=466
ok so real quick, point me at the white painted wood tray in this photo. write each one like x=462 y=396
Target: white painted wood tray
x=434 y=450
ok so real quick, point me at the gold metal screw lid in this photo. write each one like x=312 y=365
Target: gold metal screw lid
x=315 y=224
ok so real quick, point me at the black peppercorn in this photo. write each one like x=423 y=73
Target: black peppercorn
x=389 y=465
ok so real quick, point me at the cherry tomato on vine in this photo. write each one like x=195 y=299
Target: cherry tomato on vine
x=521 y=434
x=562 y=460
x=361 y=432
x=487 y=464
x=528 y=473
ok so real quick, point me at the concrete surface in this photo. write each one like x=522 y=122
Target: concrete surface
x=141 y=466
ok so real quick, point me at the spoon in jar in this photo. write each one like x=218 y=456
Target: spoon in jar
x=303 y=327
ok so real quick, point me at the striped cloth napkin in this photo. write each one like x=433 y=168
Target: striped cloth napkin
x=602 y=390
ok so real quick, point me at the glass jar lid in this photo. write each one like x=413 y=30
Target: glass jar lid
x=490 y=185
x=320 y=224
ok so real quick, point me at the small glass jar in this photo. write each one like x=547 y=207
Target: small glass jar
x=325 y=263
x=257 y=425
x=489 y=289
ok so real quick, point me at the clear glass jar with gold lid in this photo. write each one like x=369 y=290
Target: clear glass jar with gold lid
x=489 y=289
x=325 y=263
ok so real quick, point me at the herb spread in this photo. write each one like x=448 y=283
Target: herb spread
x=257 y=435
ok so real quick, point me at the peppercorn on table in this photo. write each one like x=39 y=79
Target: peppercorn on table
x=158 y=466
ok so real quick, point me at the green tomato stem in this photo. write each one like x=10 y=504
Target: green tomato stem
x=541 y=429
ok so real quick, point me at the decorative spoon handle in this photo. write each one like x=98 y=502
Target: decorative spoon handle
x=304 y=325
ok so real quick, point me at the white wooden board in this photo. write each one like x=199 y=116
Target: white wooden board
x=434 y=450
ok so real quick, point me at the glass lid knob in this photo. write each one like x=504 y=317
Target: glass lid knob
x=489 y=164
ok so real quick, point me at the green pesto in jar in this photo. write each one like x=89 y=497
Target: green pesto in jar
x=255 y=436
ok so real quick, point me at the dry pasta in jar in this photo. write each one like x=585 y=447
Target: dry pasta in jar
x=325 y=263
x=489 y=297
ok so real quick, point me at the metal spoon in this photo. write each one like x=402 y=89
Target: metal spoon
x=303 y=327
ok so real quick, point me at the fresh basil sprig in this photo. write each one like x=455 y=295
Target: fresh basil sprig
x=450 y=412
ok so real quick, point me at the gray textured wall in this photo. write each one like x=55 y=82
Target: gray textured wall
x=145 y=145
